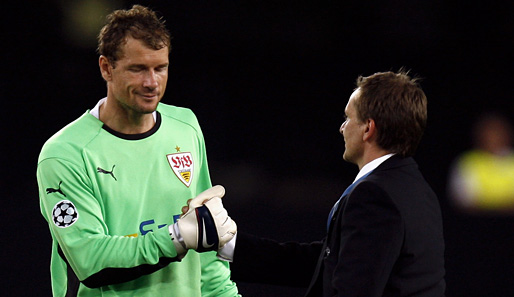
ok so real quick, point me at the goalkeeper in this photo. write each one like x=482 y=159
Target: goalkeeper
x=113 y=182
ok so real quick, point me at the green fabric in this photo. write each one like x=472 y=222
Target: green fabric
x=123 y=194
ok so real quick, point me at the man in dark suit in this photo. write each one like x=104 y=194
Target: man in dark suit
x=385 y=234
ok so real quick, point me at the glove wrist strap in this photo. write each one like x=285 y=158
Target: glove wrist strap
x=177 y=239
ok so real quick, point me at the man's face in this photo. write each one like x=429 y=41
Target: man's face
x=139 y=78
x=353 y=130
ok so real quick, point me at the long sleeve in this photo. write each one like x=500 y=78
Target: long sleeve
x=96 y=257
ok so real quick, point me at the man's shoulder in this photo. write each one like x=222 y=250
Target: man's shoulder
x=174 y=111
x=397 y=163
x=72 y=138
x=399 y=175
x=181 y=114
x=395 y=171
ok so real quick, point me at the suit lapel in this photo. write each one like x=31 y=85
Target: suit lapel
x=334 y=209
x=316 y=286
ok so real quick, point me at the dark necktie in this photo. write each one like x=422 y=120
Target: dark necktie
x=350 y=187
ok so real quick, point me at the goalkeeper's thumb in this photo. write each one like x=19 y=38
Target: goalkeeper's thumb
x=206 y=226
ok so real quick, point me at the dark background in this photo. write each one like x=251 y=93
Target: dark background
x=268 y=81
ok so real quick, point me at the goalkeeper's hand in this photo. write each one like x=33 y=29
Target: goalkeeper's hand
x=205 y=226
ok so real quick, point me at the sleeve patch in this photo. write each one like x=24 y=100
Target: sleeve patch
x=64 y=214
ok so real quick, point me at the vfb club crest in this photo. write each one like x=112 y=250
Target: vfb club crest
x=183 y=166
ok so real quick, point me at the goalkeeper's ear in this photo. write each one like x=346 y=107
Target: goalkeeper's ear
x=216 y=191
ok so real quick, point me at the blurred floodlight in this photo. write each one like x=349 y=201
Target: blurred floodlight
x=83 y=19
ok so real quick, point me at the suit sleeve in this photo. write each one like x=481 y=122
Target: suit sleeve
x=260 y=260
x=96 y=257
x=371 y=239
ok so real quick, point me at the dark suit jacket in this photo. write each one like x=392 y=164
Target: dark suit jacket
x=385 y=239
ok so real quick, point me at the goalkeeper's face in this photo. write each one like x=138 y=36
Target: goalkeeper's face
x=137 y=81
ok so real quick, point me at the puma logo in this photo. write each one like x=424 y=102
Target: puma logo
x=100 y=170
x=58 y=190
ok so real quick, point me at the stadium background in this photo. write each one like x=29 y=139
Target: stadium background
x=268 y=81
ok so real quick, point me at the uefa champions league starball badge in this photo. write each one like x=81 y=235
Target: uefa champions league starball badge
x=64 y=214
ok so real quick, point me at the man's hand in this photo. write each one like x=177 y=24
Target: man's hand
x=205 y=224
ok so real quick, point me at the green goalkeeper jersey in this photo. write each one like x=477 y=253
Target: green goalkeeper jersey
x=108 y=199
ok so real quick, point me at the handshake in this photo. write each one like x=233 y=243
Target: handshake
x=204 y=225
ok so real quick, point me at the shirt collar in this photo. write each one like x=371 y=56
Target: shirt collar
x=372 y=165
x=96 y=110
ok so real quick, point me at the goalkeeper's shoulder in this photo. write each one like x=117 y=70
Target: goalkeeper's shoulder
x=70 y=141
x=181 y=114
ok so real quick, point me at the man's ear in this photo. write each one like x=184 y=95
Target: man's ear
x=105 y=68
x=370 y=130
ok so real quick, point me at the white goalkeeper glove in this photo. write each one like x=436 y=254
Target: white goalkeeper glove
x=206 y=226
